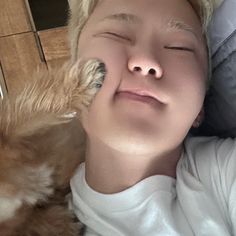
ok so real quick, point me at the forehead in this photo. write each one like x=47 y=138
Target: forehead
x=152 y=11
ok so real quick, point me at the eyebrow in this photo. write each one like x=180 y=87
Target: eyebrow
x=173 y=24
x=124 y=17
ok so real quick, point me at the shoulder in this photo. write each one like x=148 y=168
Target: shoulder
x=206 y=175
x=210 y=160
x=210 y=148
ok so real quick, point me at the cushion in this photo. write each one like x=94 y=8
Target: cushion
x=220 y=102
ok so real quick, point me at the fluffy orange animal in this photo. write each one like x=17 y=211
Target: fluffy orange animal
x=41 y=145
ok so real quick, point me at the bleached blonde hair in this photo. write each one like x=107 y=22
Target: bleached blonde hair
x=80 y=10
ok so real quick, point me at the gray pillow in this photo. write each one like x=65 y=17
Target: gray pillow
x=220 y=102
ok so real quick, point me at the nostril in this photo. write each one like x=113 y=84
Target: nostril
x=136 y=68
x=152 y=72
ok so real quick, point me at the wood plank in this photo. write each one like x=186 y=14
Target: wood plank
x=13 y=17
x=58 y=63
x=3 y=88
x=55 y=43
x=20 y=57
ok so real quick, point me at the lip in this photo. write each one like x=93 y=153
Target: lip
x=140 y=95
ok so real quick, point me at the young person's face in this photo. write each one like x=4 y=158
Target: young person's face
x=154 y=45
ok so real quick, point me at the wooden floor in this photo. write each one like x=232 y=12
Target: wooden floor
x=23 y=48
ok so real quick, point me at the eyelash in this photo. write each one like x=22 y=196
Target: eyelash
x=171 y=48
x=118 y=35
x=180 y=49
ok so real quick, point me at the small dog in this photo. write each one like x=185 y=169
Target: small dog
x=41 y=145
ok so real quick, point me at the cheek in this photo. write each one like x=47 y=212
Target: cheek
x=185 y=70
x=185 y=80
x=111 y=53
x=115 y=58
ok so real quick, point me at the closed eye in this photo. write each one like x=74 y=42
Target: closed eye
x=180 y=49
x=117 y=35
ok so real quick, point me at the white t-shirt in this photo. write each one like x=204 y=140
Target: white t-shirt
x=200 y=201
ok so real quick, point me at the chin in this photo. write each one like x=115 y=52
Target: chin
x=129 y=144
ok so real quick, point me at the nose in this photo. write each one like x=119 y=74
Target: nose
x=145 y=66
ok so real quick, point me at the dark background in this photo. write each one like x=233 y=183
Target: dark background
x=49 y=14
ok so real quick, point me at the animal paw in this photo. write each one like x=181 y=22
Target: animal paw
x=90 y=76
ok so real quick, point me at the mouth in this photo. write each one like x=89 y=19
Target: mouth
x=140 y=95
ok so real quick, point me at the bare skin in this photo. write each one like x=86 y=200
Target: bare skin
x=161 y=50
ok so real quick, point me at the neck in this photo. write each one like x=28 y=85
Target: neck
x=110 y=171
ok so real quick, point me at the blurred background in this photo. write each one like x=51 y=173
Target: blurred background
x=33 y=33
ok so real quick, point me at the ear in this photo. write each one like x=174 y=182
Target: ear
x=199 y=118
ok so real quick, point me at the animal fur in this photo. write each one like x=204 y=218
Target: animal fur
x=41 y=145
